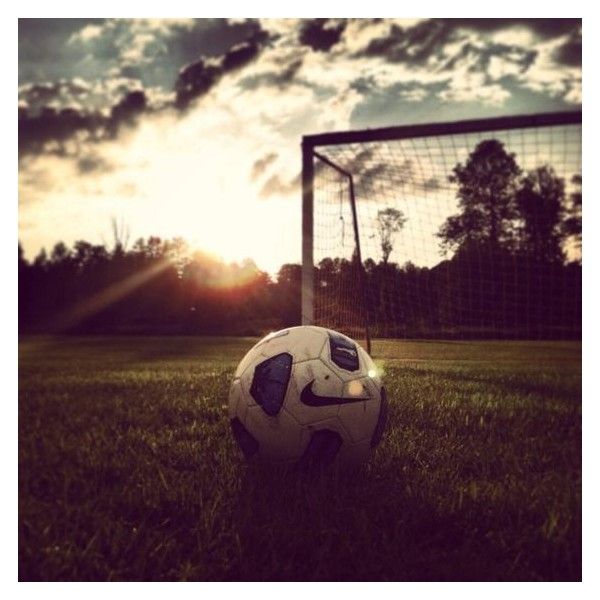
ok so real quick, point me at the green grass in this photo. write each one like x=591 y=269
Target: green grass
x=128 y=471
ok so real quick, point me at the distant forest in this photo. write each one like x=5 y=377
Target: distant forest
x=508 y=275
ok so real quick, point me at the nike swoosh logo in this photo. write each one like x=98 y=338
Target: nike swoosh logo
x=347 y=351
x=309 y=398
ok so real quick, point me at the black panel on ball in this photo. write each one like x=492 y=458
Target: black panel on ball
x=270 y=381
x=344 y=352
x=322 y=449
x=244 y=438
x=381 y=420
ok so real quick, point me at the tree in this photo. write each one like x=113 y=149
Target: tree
x=120 y=233
x=486 y=190
x=22 y=261
x=389 y=221
x=540 y=199
x=41 y=260
x=289 y=286
x=60 y=253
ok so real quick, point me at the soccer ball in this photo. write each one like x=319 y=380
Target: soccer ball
x=307 y=395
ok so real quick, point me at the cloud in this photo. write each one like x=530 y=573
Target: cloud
x=452 y=50
x=152 y=50
x=261 y=165
x=92 y=163
x=51 y=115
x=339 y=62
x=376 y=176
x=279 y=78
x=570 y=52
x=472 y=87
x=130 y=106
x=542 y=28
x=419 y=41
x=275 y=186
x=64 y=131
x=321 y=34
x=552 y=78
x=431 y=184
x=493 y=59
x=52 y=130
x=411 y=45
x=60 y=94
x=130 y=41
x=372 y=175
x=87 y=34
x=198 y=78
x=85 y=96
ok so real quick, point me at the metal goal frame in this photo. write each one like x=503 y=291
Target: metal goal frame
x=310 y=153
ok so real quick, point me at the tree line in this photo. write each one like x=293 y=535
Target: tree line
x=156 y=286
x=509 y=274
x=515 y=269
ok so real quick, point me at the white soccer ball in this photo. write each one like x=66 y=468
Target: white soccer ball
x=307 y=395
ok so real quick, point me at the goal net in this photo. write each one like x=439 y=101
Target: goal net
x=461 y=230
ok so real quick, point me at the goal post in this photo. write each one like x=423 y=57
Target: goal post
x=357 y=252
x=307 y=301
x=447 y=230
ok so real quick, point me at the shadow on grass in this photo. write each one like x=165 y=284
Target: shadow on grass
x=501 y=383
x=370 y=526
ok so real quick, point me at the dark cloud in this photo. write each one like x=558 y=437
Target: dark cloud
x=212 y=37
x=240 y=55
x=321 y=34
x=50 y=117
x=96 y=108
x=431 y=184
x=61 y=93
x=139 y=48
x=413 y=44
x=364 y=85
x=196 y=79
x=393 y=177
x=416 y=44
x=92 y=164
x=276 y=186
x=51 y=130
x=261 y=165
x=570 y=53
x=199 y=77
x=372 y=176
x=279 y=79
x=479 y=57
x=41 y=92
x=57 y=127
x=131 y=106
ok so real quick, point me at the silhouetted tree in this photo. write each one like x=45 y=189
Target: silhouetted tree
x=486 y=190
x=389 y=221
x=120 y=233
x=289 y=286
x=540 y=201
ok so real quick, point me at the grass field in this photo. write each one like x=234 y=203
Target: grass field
x=128 y=471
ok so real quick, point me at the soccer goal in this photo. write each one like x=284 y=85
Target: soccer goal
x=462 y=230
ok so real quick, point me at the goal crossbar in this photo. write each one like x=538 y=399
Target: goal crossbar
x=383 y=134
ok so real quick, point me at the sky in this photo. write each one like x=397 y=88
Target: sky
x=192 y=127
